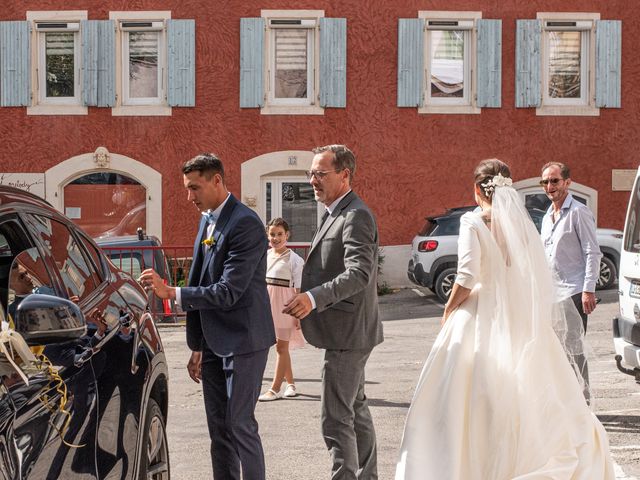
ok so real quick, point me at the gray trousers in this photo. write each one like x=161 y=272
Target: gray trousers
x=347 y=426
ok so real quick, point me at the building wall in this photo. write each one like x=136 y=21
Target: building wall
x=409 y=165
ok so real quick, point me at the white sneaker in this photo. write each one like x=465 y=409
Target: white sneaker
x=269 y=396
x=290 y=391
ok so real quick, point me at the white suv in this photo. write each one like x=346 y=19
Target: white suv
x=434 y=252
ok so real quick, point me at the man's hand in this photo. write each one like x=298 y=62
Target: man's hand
x=150 y=280
x=299 y=306
x=194 y=367
x=588 y=302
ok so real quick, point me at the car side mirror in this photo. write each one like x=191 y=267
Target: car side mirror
x=44 y=319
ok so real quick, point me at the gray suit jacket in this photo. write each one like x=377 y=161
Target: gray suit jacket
x=341 y=274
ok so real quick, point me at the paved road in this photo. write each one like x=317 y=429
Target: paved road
x=290 y=428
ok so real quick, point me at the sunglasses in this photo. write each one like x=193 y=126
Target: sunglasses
x=552 y=181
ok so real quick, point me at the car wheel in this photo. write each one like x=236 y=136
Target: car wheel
x=444 y=283
x=607 y=274
x=155 y=451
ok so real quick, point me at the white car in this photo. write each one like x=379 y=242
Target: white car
x=434 y=252
x=626 y=327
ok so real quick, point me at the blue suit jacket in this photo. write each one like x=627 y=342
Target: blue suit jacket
x=226 y=299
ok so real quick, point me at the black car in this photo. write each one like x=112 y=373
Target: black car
x=95 y=405
x=133 y=254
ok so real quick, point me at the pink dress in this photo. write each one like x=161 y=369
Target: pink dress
x=284 y=275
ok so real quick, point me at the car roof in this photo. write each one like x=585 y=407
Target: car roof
x=452 y=212
x=9 y=195
x=128 y=241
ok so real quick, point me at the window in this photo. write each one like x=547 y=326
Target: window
x=449 y=62
x=567 y=59
x=143 y=54
x=56 y=63
x=292 y=62
x=291 y=198
x=568 y=63
x=154 y=63
x=79 y=276
x=141 y=59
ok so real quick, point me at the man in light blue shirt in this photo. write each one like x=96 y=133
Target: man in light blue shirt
x=569 y=236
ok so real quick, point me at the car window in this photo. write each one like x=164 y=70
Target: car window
x=448 y=226
x=93 y=253
x=28 y=275
x=79 y=277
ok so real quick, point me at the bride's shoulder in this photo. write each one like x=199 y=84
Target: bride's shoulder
x=470 y=219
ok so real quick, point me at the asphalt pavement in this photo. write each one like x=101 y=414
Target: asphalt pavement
x=290 y=428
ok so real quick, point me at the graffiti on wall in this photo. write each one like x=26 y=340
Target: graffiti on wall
x=31 y=182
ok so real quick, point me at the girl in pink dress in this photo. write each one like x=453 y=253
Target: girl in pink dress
x=284 y=274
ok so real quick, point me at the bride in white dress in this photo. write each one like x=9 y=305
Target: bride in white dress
x=497 y=398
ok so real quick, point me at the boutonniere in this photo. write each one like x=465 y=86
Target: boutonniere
x=209 y=242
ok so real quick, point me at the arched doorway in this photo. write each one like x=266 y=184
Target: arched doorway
x=275 y=185
x=107 y=194
x=533 y=195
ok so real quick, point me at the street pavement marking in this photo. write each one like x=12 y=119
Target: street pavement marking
x=418 y=292
x=618 y=412
x=620 y=475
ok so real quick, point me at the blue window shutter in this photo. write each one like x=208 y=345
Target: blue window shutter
x=15 y=64
x=333 y=62
x=608 y=63
x=98 y=62
x=181 y=63
x=251 y=62
x=528 y=66
x=410 y=62
x=489 y=63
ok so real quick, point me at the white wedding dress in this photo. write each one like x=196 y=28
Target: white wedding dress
x=497 y=398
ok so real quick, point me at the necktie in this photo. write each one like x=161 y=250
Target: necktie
x=210 y=217
x=323 y=219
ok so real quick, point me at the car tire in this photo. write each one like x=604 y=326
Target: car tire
x=444 y=283
x=607 y=274
x=154 y=464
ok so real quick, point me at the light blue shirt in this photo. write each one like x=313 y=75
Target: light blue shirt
x=571 y=246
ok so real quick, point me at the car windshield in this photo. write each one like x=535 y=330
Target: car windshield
x=632 y=230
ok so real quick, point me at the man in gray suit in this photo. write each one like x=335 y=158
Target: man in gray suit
x=339 y=308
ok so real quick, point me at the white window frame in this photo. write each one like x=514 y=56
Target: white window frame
x=585 y=105
x=126 y=106
x=468 y=103
x=293 y=106
x=40 y=103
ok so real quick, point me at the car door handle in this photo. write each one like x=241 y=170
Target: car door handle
x=83 y=357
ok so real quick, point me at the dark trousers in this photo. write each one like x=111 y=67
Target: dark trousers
x=347 y=426
x=580 y=359
x=231 y=386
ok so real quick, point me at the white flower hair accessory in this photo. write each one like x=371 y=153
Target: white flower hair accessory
x=497 y=181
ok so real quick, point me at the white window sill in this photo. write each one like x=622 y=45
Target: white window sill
x=450 y=109
x=141 y=111
x=292 y=110
x=57 y=110
x=568 y=111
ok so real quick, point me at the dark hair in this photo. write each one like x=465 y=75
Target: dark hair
x=278 y=222
x=343 y=158
x=208 y=164
x=564 y=170
x=486 y=170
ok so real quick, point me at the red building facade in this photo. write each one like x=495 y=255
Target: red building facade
x=412 y=162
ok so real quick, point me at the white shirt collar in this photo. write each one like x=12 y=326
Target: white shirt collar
x=335 y=203
x=216 y=213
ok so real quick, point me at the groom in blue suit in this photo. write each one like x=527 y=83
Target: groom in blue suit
x=229 y=324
